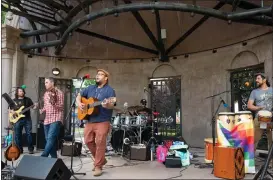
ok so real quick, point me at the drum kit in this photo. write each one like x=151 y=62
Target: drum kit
x=135 y=125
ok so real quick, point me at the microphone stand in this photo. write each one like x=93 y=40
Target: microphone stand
x=213 y=129
x=72 y=109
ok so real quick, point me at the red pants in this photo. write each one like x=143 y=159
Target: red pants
x=95 y=135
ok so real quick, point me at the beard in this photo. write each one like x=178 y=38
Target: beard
x=98 y=83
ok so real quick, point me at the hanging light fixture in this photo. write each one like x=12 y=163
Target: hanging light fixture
x=56 y=71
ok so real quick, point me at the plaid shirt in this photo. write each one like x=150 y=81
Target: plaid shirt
x=53 y=112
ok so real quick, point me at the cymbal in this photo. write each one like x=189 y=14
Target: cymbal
x=144 y=109
x=120 y=111
x=134 y=108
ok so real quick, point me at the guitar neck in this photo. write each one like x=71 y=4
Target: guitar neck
x=25 y=110
x=13 y=138
x=96 y=103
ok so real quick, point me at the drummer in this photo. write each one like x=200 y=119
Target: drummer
x=261 y=99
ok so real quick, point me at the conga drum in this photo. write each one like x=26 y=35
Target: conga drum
x=209 y=149
x=243 y=116
x=227 y=120
x=264 y=118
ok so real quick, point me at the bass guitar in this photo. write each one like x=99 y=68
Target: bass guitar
x=90 y=107
x=12 y=152
x=16 y=115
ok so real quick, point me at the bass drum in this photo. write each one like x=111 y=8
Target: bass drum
x=118 y=138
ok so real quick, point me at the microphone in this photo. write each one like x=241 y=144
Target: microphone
x=23 y=86
x=225 y=104
x=87 y=76
x=144 y=89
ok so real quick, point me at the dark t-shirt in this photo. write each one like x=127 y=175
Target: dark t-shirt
x=100 y=93
x=23 y=102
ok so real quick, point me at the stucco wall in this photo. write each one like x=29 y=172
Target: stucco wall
x=203 y=74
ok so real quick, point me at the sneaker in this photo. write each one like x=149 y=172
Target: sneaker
x=97 y=172
x=105 y=161
x=31 y=152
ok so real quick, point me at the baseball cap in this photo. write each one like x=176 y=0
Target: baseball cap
x=261 y=74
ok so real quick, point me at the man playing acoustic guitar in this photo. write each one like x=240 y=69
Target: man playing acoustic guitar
x=98 y=125
x=24 y=122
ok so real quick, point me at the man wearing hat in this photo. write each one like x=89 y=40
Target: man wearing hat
x=261 y=99
x=98 y=126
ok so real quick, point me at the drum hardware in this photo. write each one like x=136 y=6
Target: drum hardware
x=263 y=171
x=153 y=139
x=126 y=141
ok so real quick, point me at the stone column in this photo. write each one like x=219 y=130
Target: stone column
x=10 y=39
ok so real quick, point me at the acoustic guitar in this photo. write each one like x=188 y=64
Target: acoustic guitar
x=12 y=152
x=90 y=107
x=14 y=117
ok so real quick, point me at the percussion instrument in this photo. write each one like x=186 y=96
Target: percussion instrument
x=264 y=116
x=119 y=136
x=229 y=162
x=227 y=119
x=209 y=149
x=243 y=116
x=116 y=122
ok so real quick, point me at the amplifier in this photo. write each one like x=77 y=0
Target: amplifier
x=66 y=149
x=139 y=152
x=173 y=162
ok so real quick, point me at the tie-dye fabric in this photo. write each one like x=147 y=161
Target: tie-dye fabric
x=242 y=135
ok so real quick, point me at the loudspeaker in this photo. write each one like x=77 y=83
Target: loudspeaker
x=37 y=167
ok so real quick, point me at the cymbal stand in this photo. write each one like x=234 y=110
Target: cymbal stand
x=153 y=139
x=262 y=172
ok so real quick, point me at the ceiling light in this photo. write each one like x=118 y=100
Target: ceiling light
x=55 y=71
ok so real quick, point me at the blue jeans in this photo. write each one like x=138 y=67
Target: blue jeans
x=51 y=134
x=18 y=127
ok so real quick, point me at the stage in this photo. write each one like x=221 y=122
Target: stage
x=121 y=168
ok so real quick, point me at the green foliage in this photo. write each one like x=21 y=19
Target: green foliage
x=88 y=82
x=3 y=17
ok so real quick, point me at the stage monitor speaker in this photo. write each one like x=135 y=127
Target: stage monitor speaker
x=37 y=167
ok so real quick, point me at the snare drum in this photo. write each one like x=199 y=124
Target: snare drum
x=264 y=116
x=127 y=121
x=116 y=122
x=227 y=120
x=243 y=116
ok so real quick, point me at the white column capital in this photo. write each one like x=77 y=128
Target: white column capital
x=10 y=37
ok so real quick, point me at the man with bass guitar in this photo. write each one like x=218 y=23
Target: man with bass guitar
x=23 y=122
x=98 y=125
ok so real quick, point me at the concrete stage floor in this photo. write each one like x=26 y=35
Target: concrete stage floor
x=121 y=168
